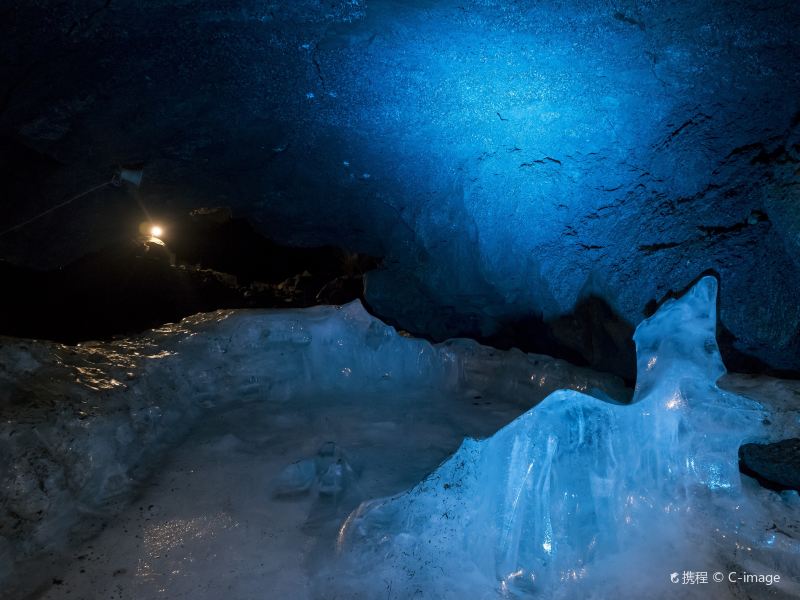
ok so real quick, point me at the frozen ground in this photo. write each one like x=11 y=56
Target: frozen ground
x=86 y=429
x=226 y=452
x=209 y=526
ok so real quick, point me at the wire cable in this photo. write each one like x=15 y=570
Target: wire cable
x=57 y=206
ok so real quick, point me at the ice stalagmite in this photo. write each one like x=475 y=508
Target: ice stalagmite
x=579 y=497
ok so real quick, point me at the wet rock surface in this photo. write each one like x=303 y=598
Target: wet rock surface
x=776 y=466
x=508 y=160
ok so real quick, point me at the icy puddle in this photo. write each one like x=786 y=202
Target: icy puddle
x=212 y=523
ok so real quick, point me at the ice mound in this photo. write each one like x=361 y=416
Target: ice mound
x=580 y=498
x=82 y=427
x=327 y=474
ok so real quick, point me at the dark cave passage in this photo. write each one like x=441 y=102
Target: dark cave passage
x=211 y=261
x=207 y=261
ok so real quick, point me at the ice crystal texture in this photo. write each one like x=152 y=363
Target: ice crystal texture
x=579 y=496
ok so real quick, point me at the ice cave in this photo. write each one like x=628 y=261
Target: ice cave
x=399 y=299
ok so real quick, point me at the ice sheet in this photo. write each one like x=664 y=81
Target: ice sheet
x=582 y=498
x=82 y=428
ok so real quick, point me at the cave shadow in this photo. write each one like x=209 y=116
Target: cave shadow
x=592 y=335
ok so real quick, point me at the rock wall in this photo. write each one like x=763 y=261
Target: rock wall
x=509 y=160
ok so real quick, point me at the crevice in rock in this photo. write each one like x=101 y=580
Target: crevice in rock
x=620 y=16
x=650 y=248
x=540 y=161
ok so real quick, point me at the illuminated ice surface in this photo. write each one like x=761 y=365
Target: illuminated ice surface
x=204 y=422
x=225 y=454
x=580 y=498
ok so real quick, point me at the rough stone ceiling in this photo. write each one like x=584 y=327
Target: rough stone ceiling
x=507 y=159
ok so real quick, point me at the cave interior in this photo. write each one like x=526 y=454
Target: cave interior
x=360 y=299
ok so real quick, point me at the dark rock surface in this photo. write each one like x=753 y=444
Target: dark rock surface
x=776 y=466
x=511 y=161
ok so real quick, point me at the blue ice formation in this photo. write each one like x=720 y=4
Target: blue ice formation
x=576 y=493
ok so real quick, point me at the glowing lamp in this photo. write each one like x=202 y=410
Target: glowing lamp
x=156 y=231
